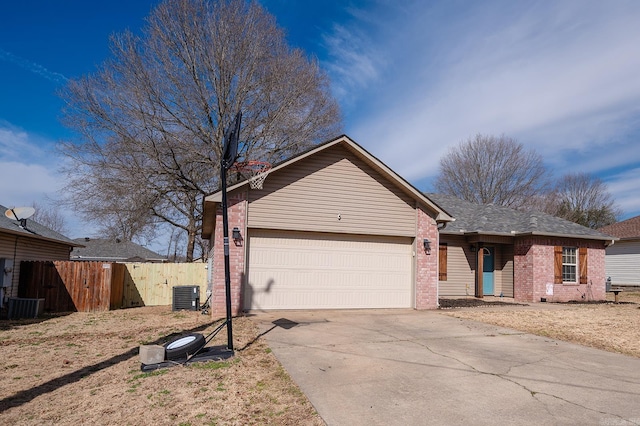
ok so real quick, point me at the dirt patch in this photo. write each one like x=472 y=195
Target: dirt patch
x=84 y=368
x=609 y=326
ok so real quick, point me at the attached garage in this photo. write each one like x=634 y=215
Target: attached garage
x=331 y=228
x=297 y=270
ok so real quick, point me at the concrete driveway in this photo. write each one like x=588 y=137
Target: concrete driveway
x=405 y=367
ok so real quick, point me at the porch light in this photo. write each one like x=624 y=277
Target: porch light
x=427 y=245
x=236 y=234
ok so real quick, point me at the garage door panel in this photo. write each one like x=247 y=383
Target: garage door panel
x=311 y=271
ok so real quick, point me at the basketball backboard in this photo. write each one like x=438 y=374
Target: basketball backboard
x=230 y=148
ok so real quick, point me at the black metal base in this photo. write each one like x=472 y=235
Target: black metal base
x=212 y=353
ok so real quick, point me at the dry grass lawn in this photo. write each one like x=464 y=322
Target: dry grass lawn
x=612 y=327
x=84 y=368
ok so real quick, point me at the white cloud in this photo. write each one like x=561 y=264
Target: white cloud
x=561 y=77
x=21 y=184
x=354 y=64
x=28 y=169
x=32 y=67
x=18 y=145
x=624 y=188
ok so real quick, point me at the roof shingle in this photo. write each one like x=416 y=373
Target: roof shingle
x=497 y=220
x=112 y=250
x=626 y=229
x=32 y=229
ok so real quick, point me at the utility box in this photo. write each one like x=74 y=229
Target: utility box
x=25 y=308
x=186 y=297
x=6 y=272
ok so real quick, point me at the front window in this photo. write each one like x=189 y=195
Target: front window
x=569 y=264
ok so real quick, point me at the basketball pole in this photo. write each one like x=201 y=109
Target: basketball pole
x=228 y=158
x=227 y=274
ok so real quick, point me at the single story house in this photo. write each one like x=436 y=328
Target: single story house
x=26 y=241
x=530 y=256
x=622 y=261
x=113 y=250
x=332 y=227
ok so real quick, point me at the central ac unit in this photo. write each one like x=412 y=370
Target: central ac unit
x=186 y=297
x=24 y=308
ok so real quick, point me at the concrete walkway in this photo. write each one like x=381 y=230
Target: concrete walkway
x=405 y=367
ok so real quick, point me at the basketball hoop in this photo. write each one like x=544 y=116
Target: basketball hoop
x=255 y=172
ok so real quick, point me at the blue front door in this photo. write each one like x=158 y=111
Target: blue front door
x=487 y=271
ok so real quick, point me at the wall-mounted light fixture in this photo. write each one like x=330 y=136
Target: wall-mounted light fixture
x=427 y=245
x=473 y=248
x=237 y=237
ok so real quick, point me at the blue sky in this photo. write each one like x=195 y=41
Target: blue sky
x=413 y=78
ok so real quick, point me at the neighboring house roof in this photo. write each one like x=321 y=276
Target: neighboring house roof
x=32 y=229
x=489 y=219
x=441 y=214
x=627 y=229
x=100 y=249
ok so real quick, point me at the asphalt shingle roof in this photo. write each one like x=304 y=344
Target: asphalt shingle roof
x=629 y=228
x=32 y=229
x=112 y=249
x=497 y=220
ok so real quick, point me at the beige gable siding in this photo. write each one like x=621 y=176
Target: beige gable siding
x=460 y=275
x=461 y=269
x=334 y=191
x=503 y=270
x=18 y=248
x=507 y=270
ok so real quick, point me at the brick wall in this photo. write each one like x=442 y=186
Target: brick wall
x=534 y=270
x=237 y=208
x=426 y=264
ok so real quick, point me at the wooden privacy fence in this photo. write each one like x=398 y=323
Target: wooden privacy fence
x=73 y=286
x=100 y=286
x=151 y=284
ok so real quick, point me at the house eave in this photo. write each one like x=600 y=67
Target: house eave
x=514 y=234
x=628 y=239
x=441 y=216
x=574 y=236
x=40 y=238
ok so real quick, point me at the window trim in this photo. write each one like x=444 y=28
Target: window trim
x=570 y=252
x=581 y=266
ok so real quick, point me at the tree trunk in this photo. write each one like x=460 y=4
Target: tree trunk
x=192 y=230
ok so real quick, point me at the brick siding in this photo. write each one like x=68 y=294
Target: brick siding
x=533 y=270
x=237 y=208
x=426 y=264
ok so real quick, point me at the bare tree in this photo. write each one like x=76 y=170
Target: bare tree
x=583 y=199
x=492 y=170
x=116 y=211
x=50 y=217
x=151 y=120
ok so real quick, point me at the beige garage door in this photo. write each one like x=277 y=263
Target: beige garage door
x=290 y=270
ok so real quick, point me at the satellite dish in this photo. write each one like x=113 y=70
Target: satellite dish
x=20 y=213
